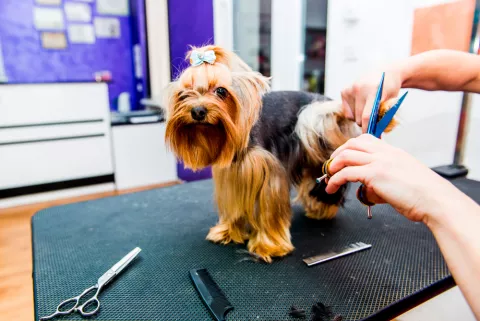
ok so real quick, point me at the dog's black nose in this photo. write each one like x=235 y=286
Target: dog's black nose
x=199 y=113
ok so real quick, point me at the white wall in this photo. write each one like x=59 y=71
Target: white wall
x=246 y=34
x=158 y=46
x=222 y=23
x=159 y=65
x=288 y=29
x=363 y=36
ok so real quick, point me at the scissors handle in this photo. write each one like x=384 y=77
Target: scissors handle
x=325 y=171
x=76 y=300
x=362 y=197
x=61 y=311
x=92 y=301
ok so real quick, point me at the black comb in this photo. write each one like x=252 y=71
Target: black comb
x=211 y=294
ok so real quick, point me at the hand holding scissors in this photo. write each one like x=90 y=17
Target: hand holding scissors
x=376 y=128
x=63 y=309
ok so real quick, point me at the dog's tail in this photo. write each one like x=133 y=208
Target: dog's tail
x=322 y=127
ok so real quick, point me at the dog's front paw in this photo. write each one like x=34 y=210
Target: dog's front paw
x=265 y=249
x=224 y=234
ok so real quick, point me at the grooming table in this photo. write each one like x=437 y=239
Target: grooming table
x=75 y=244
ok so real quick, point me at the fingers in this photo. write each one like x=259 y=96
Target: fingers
x=348 y=174
x=367 y=111
x=354 y=174
x=349 y=157
x=359 y=97
x=360 y=100
x=363 y=143
x=370 y=194
x=372 y=197
x=348 y=103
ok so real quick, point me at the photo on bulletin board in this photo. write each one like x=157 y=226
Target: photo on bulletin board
x=113 y=7
x=48 y=18
x=49 y=2
x=54 y=40
x=81 y=33
x=107 y=27
x=78 y=12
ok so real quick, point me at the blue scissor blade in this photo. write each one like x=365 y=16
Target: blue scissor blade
x=372 y=123
x=387 y=118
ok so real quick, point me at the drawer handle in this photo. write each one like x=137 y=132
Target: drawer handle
x=50 y=139
x=86 y=121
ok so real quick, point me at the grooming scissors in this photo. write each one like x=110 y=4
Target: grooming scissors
x=375 y=127
x=93 y=301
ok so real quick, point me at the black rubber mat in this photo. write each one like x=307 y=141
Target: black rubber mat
x=75 y=244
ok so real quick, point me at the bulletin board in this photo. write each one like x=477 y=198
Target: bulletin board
x=47 y=41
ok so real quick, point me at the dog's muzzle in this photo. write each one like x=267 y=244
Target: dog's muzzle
x=199 y=113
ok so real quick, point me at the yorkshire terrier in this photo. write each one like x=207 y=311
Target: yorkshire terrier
x=260 y=143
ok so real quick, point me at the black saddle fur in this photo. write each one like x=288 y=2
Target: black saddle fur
x=275 y=132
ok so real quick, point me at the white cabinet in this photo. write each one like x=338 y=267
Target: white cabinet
x=53 y=133
x=56 y=140
x=141 y=157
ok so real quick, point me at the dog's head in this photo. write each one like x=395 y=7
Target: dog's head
x=212 y=107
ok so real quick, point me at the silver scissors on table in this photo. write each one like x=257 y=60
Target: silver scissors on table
x=62 y=308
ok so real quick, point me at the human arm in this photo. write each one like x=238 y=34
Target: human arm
x=395 y=177
x=442 y=69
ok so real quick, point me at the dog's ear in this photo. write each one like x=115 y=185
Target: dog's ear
x=250 y=85
x=169 y=98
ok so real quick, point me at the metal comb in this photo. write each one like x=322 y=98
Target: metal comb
x=352 y=248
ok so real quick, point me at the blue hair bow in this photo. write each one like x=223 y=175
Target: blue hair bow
x=198 y=58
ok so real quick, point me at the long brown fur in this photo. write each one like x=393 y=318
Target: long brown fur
x=251 y=185
x=253 y=203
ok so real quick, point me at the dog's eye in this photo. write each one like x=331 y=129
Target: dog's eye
x=221 y=92
x=182 y=96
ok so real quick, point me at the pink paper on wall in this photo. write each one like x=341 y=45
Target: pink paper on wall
x=444 y=26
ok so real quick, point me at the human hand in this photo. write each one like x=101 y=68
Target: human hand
x=391 y=176
x=357 y=99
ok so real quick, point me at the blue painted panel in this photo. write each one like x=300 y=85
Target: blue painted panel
x=190 y=23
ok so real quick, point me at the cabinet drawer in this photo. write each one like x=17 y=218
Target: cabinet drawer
x=33 y=104
x=63 y=159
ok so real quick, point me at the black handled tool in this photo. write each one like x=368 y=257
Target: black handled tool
x=211 y=294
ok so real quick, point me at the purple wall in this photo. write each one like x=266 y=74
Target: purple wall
x=190 y=23
x=27 y=62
